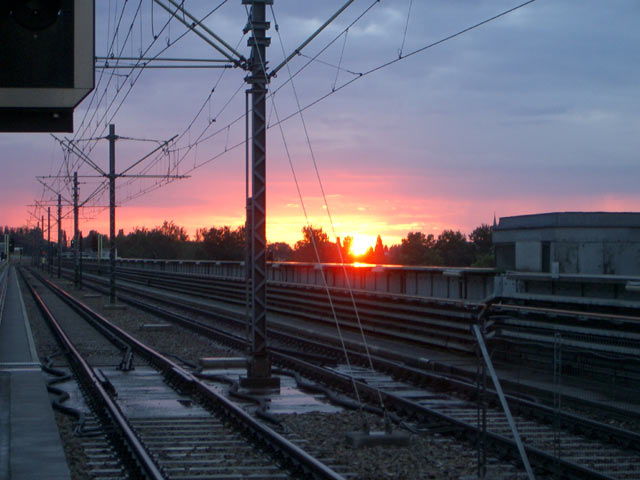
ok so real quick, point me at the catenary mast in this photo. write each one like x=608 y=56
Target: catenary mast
x=259 y=371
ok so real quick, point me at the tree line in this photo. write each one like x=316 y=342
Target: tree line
x=170 y=241
x=27 y=240
x=449 y=248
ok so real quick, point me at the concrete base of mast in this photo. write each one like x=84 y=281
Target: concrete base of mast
x=259 y=378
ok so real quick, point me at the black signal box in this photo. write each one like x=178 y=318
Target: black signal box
x=46 y=63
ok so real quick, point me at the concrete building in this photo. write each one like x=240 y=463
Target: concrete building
x=592 y=243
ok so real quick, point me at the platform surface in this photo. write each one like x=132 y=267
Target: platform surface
x=30 y=445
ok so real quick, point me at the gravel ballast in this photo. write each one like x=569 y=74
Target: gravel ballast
x=429 y=456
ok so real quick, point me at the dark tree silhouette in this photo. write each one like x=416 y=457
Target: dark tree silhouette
x=170 y=241
x=416 y=249
x=454 y=249
x=90 y=242
x=222 y=243
x=312 y=239
x=481 y=239
x=378 y=252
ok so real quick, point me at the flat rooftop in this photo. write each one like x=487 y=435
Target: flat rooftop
x=571 y=220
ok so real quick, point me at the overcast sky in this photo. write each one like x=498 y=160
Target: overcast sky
x=536 y=111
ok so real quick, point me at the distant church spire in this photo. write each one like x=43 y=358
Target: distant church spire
x=495 y=224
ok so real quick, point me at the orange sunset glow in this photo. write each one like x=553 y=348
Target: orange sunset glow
x=496 y=122
x=357 y=213
x=361 y=243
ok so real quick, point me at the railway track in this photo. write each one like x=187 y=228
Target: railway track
x=539 y=355
x=598 y=349
x=557 y=442
x=430 y=322
x=433 y=322
x=210 y=437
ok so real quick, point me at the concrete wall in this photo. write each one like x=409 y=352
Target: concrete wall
x=528 y=256
x=611 y=258
x=590 y=257
x=566 y=254
x=622 y=258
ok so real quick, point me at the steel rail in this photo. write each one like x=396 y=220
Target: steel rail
x=432 y=323
x=392 y=361
x=133 y=444
x=206 y=278
x=300 y=461
x=4 y=281
x=443 y=323
x=497 y=306
x=415 y=410
x=568 y=313
x=452 y=318
x=400 y=367
x=532 y=409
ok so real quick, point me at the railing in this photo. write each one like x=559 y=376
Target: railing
x=455 y=283
x=471 y=284
x=617 y=291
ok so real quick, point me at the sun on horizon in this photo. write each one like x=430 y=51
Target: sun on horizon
x=361 y=243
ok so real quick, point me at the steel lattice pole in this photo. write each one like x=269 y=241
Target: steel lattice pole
x=112 y=213
x=49 y=240
x=76 y=246
x=259 y=364
x=40 y=245
x=59 y=234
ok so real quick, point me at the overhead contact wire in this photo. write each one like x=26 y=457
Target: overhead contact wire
x=324 y=198
x=396 y=60
x=107 y=109
x=406 y=27
x=313 y=242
